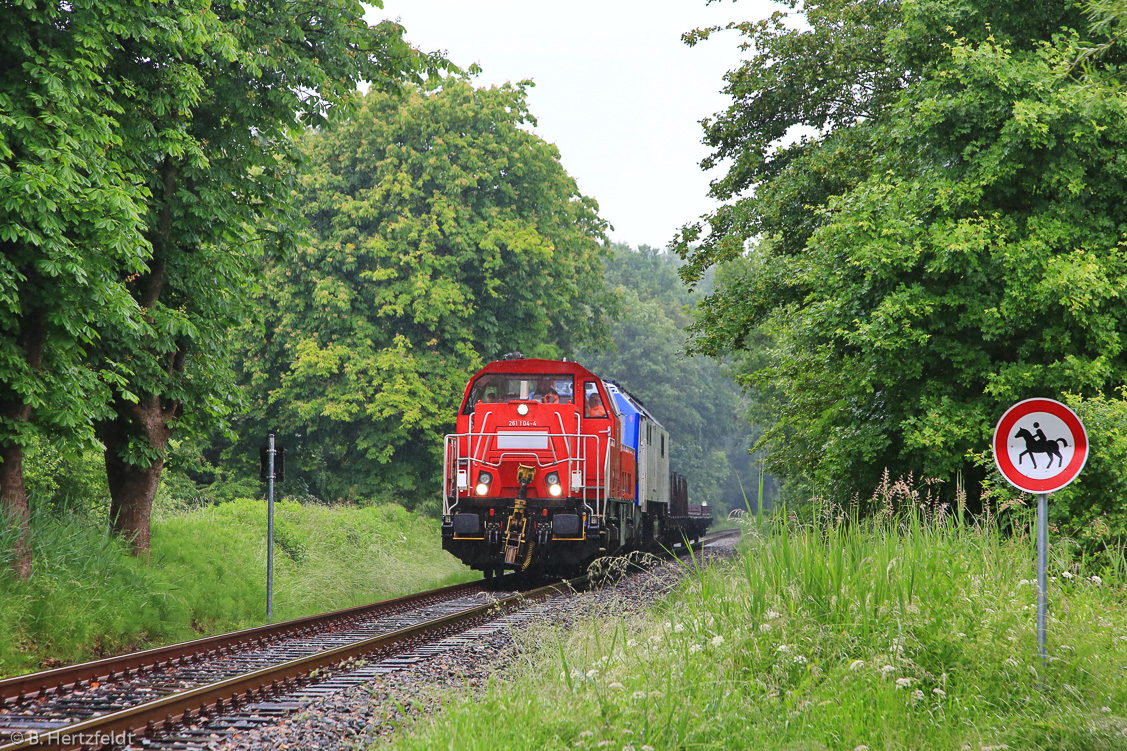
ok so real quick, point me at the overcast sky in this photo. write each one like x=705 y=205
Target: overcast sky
x=616 y=90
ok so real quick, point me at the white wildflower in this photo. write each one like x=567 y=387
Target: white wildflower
x=1024 y=583
x=939 y=692
x=632 y=643
x=586 y=734
x=679 y=629
x=856 y=665
x=772 y=615
x=861 y=748
x=695 y=648
x=888 y=669
x=783 y=648
x=903 y=682
x=917 y=695
x=593 y=673
x=1105 y=709
x=764 y=626
x=717 y=640
x=1066 y=574
x=1095 y=579
x=647 y=747
x=799 y=660
x=638 y=695
x=616 y=686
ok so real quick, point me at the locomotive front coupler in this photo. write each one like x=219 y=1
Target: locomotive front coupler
x=518 y=550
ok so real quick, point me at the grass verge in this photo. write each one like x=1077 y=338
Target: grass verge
x=875 y=635
x=89 y=598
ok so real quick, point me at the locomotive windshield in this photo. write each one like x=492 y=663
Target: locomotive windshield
x=493 y=388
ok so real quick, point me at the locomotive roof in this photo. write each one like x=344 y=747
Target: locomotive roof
x=532 y=365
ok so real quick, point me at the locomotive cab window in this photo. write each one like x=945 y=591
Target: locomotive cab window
x=500 y=388
x=593 y=406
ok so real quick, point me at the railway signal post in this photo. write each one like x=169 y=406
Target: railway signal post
x=271 y=467
x=1040 y=446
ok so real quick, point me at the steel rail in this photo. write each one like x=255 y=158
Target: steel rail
x=165 y=713
x=39 y=684
x=30 y=685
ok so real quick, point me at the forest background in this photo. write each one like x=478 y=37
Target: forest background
x=209 y=235
x=205 y=242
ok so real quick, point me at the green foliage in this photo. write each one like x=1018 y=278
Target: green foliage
x=88 y=598
x=444 y=234
x=219 y=160
x=69 y=212
x=65 y=480
x=948 y=243
x=891 y=634
x=692 y=397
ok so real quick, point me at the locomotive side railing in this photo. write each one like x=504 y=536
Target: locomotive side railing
x=579 y=458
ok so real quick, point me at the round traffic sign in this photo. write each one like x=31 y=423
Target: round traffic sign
x=1040 y=445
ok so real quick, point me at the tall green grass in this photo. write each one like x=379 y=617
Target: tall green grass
x=88 y=597
x=901 y=632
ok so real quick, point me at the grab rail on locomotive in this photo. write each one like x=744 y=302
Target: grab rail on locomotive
x=460 y=469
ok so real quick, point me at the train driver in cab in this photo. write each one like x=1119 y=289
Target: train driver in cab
x=545 y=392
x=595 y=406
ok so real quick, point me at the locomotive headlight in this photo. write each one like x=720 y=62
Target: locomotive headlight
x=483 y=481
x=522 y=409
x=554 y=488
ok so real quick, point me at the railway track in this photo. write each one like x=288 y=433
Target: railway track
x=248 y=677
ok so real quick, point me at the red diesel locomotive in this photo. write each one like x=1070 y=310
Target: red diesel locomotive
x=552 y=467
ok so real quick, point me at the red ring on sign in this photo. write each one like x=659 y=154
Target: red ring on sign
x=1002 y=455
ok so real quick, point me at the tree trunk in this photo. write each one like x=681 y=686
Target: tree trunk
x=133 y=487
x=15 y=411
x=13 y=505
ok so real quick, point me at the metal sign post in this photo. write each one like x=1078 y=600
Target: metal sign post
x=1040 y=446
x=1043 y=577
x=270 y=530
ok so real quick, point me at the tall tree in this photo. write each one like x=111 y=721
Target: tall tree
x=444 y=234
x=70 y=222
x=948 y=246
x=219 y=171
